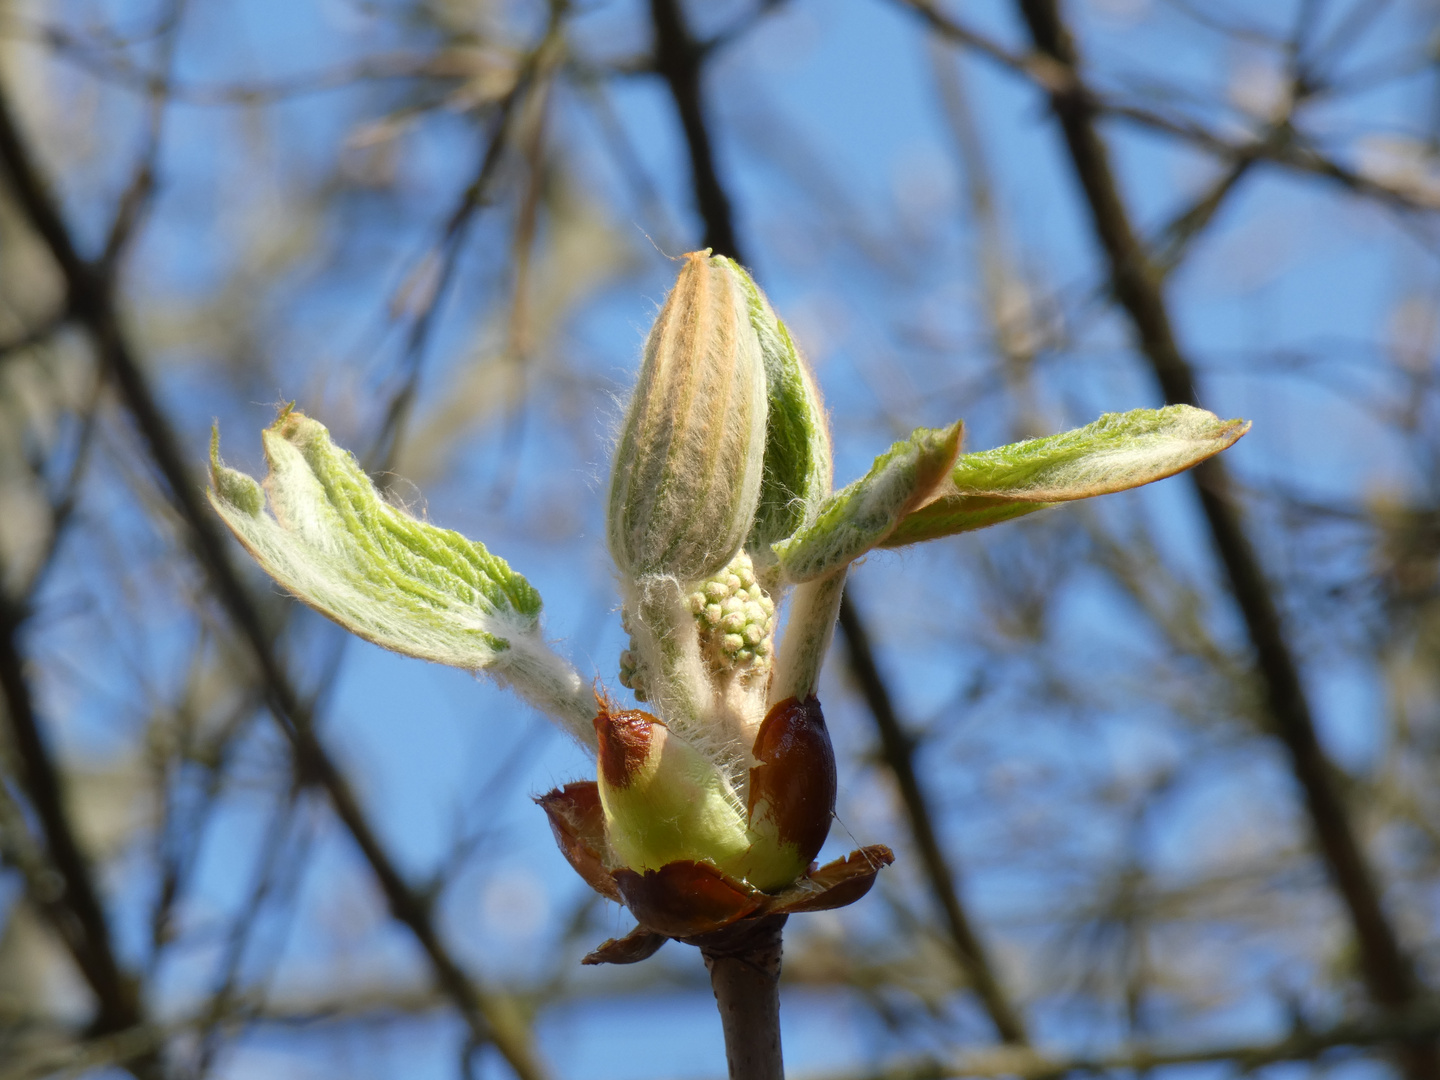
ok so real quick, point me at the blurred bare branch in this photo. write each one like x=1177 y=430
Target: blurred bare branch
x=440 y=226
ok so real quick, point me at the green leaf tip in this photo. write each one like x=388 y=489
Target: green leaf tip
x=1117 y=452
x=860 y=516
x=337 y=545
x=332 y=541
x=230 y=485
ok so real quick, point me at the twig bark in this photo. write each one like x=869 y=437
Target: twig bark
x=1026 y=1064
x=1136 y=284
x=76 y=911
x=745 y=975
x=532 y=81
x=1294 y=153
x=680 y=61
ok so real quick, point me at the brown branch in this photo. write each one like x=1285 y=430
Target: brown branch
x=114 y=69
x=1036 y=66
x=491 y=1016
x=18 y=345
x=744 y=971
x=1300 y=1045
x=898 y=750
x=1173 y=240
x=1012 y=325
x=457 y=227
x=1293 y=153
x=680 y=61
x=224 y=994
x=1135 y=283
x=76 y=913
x=136 y=199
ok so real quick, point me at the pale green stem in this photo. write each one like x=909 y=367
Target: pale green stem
x=814 y=607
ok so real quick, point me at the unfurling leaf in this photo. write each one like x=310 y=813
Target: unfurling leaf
x=861 y=515
x=386 y=576
x=334 y=543
x=1117 y=452
x=797 y=474
x=688 y=466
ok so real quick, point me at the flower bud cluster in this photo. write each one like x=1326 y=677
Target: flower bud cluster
x=631 y=675
x=736 y=619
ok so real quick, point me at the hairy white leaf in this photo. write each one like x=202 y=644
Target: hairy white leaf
x=410 y=586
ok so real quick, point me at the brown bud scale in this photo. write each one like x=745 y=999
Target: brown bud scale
x=796 y=775
x=684 y=898
x=624 y=736
x=578 y=822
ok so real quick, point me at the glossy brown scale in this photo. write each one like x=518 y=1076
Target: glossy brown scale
x=578 y=823
x=793 y=787
x=684 y=898
x=796 y=774
x=689 y=900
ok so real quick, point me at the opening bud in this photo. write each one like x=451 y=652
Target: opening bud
x=792 y=793
x=688 y=467
x=663 y=800
x=797 y=439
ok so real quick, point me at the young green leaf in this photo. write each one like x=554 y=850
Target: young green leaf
x=797 y=474
x=386 y=576
x=861 y=515
x=1116 y=452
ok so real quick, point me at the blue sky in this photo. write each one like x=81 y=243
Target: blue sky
x=848 y=200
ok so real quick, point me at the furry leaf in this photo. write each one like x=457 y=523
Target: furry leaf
x=1117 y=452
x=797 y=471
x=392 y=579
x=861 y=515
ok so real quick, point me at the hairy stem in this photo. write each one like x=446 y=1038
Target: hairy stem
x=745 y=974
x=811 y=625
